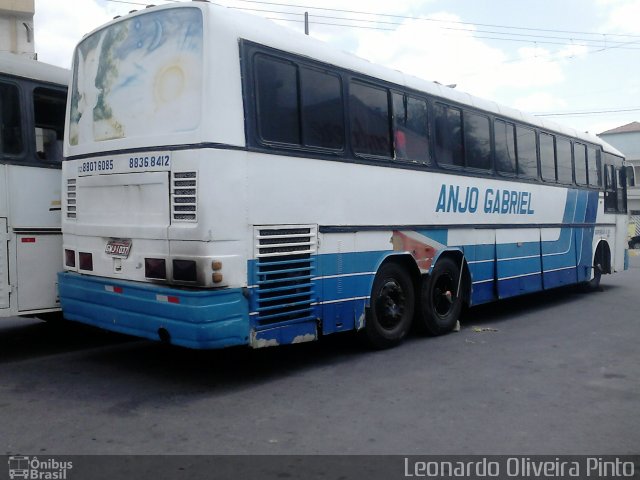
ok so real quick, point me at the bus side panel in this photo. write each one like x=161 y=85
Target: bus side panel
x=518 y=261
x=559 y=252
x=584 y=243
x=39 y=261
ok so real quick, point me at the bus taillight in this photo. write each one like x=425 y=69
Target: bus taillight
x=185 y=270
x=85 y=261
x=70 y=258
x=155 y=268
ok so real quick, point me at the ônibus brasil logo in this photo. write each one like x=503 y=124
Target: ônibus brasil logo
x=21 y=466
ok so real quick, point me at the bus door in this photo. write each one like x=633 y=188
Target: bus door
x=518 y=261
x=4 y=264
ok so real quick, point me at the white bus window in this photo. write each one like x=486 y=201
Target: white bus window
x=369 y=116
x=477 y=141
x=547 y=157
x=322 y=109
x=449 y=146
x=278 y=108
x=10 y=117
x=527 y=152
x=505 y=142
x=580 y=163
x=563 y=156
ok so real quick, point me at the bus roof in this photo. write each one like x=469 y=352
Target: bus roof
x=265 y=32
x=20 y=66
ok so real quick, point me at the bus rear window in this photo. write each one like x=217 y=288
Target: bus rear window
x=138 y=77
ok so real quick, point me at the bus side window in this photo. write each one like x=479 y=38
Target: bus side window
x=277 y=100
x=410 y=128
x=48 y=113
x=547 y=157
x=477 y=141
x=369 y=116
x=448 y=138
x=631 y=178
x=595 y=173
x=10 y=117
x=505 y=142
x=563 y=160
x=322 y=109
x=580 y=163
x=621 y=191
x=527 y=152
x=610 y=197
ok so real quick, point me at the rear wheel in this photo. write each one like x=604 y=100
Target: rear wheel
x=598 y=266
x=440 y=304
x=392 y=306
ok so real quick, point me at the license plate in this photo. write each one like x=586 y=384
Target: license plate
x=118 y=247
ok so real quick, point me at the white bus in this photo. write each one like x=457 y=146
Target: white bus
x=32 y=112
x=230 y=182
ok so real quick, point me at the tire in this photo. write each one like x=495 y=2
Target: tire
x=51 y=317
x=390 y=313
x=593 y=284
x=440 y=307
x=635 y=244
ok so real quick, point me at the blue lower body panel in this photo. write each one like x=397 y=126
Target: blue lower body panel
x=194 y=319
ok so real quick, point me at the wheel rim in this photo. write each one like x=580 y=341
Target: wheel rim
x=390 y=305
x=442 y=295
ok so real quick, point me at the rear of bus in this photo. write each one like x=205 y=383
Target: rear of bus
x=154 y=126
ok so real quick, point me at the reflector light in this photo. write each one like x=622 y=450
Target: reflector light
x=167 y=298
x=70 y=258
x=113 y=289
x=86 y=261
x=28 y=240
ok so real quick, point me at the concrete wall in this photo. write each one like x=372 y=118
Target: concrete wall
x=16 y=27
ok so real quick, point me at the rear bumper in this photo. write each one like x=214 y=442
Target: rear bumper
x=193 y=318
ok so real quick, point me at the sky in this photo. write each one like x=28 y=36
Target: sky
x=575 y=61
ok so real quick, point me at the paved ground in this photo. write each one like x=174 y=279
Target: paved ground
x=555 y=373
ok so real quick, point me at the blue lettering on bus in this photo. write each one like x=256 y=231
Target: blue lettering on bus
x=452 y=199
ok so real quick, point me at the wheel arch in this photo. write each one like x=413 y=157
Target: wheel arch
x=602 y=256
x=403 y=259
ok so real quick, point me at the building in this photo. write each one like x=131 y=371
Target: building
x=627 y=139
x=16 y=27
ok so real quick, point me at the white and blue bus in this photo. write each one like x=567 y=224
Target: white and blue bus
x=33 y=97
x=230 y=182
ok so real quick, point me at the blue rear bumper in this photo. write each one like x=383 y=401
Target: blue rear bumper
x=199 y=319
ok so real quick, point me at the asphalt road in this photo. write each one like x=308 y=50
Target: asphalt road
x=553 y=373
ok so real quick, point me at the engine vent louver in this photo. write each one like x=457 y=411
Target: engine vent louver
x=285 y=268
x=72 y=198
x=184 y=196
